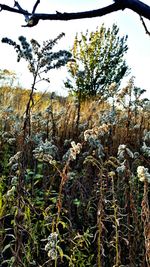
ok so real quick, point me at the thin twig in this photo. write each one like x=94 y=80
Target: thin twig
x=16 y=4
x=35 y=6
x=144 y=25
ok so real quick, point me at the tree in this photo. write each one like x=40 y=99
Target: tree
x=98 y=62
x=33 y=18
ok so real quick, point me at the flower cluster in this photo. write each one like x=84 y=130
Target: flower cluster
x=124 y=151
x=146 y=144
x=74 y=150
x=46 y=152
x=146 y=150
x=96 y=131
x=91 y=133
x=143 y=174
x=51 y=245
x=147 y=137
x=15 y=158
x=111 y=174
x=43 y=157
x=123 y=154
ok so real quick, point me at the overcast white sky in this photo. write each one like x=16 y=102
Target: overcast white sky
x=138 y=56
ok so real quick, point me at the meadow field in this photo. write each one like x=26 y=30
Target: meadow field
x=74 y=183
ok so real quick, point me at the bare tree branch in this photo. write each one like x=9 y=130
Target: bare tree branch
x=35 y=6
x=16 y=4
x=14 y=10
x=28 y=19
x=144 y=25
x=135 y=5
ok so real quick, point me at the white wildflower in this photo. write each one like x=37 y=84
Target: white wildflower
x=75 y=149
x=123 y=150
x=111 y=174
x=52 y=236
x=147 y=136
x=47 y=246
x=14 y=158
x=47 y=158
x=52 y=253
x=143 y=174
x=96 y=131
x=51 y=245
x=146 y=149
x=93 y=133
x=103 y=129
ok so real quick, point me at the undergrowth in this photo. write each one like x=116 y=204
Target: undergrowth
x=74 y=197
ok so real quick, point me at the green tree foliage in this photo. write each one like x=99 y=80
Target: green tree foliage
x=98 y=61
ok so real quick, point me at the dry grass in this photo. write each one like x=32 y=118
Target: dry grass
x=64 y=204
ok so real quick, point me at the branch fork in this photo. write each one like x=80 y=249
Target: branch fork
x=33 y=18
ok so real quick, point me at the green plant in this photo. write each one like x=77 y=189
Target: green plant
x=73 y=203
x=80 y=252
x=98 y=62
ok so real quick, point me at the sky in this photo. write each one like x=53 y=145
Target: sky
x=138 y=55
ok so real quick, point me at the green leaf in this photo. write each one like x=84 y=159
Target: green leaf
x=60 y=252
x=77 y=202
